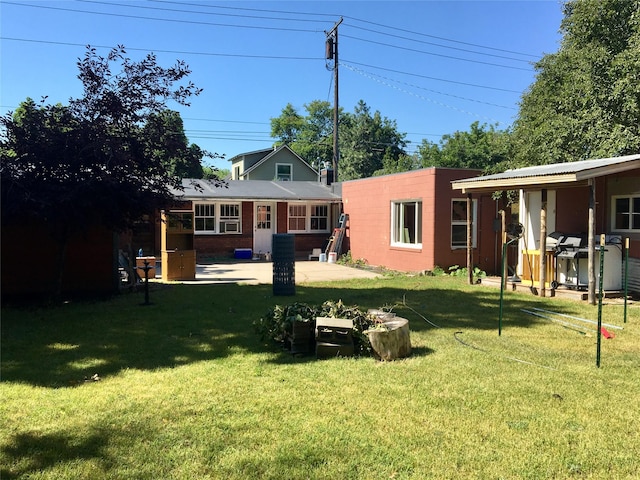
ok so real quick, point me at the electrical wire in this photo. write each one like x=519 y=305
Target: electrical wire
x=456 y=335
x=407 y=49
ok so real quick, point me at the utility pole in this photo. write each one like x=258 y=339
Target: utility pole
x=332 y=54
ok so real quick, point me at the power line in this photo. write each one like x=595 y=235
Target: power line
x=195 y=11
x=371 y=75
x=447 y=46
x=337 y=15
x=440 y=38
x=344 y=62
x=180 y=52
x=171 y=20
x=437 y=54
x=268 y=57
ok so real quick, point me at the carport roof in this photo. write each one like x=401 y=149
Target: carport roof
x=542 y=176
x=197 y=189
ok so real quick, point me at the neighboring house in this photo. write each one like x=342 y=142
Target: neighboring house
x=413 y=221
x=576 y=200
x=246 y=214
x=278 y=164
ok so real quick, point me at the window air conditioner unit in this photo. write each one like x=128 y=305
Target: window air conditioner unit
x=230 y=226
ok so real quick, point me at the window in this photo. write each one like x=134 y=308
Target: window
x=320 y=218
x=217 y=217
x=406 y=223
x=284 y=172
x=205 y=217
x=297 y=217
x=626 y=213
x=459 y=223
x=308 y=217
x=229 y=218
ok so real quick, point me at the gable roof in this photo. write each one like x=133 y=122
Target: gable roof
x=260 y=153
x=272 y=153
x=541 y=176
x=267 y=190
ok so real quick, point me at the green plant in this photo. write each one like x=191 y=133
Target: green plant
x=458 y=271
x=347 y=259
x=277 y=324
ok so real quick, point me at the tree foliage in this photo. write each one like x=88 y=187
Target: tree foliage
x=366 y=140
x=310 y=136
x=585 y=102
x=166 y=143
x=89 y=163
x=482 y=147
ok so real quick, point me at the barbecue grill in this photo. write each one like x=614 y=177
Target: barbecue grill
x=572 y=252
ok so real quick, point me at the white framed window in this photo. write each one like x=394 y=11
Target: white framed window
x=406 y=223
x=308 y=217
x=284 y=172
x=297 y=217
x=319 y=218
x=205 y=217
x=217 y=218
x=229 y=218
x=625 y=213
x=459 y=223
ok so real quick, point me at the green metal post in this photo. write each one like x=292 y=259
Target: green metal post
x=600 y=295
x=626 y=276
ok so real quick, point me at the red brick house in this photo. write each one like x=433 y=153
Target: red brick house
x=414 y=221
x=246 y=213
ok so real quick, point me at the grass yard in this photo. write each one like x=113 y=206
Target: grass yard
x=184 y=389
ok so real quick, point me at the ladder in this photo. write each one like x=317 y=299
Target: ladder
x=335 y=241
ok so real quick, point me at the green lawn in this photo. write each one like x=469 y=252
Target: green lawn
x=186 y=390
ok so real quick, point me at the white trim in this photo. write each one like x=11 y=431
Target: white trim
x=219 y=219
x=474 y=224
x=395 y=223
x=308 y=217
x=630 y=197
x=277 y=176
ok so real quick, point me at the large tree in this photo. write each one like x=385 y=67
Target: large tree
x=369 y=143
x=73 y=167
x=585 y=101
x=310 y=136
x=366 y=140
x=482 y=147
x=166 y=142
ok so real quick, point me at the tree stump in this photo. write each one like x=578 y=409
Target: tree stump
x=391 y=340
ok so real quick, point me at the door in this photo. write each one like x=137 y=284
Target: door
x=263 y=227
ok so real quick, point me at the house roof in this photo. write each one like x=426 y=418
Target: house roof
x=541 y=176
x=267 y=190
x=264 y=151
x=272 y=153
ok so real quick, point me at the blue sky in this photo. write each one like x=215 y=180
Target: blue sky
x=434 y=67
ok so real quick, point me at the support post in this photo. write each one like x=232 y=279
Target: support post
x=470 y=238
x=591 y=288
x=543 y=242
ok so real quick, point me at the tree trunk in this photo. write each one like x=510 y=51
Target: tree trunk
x=392 y=341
